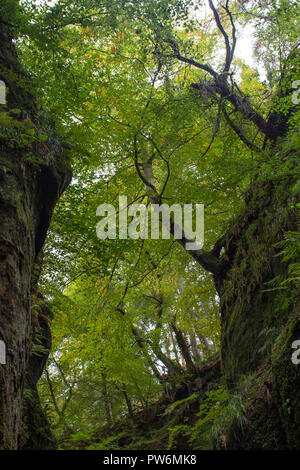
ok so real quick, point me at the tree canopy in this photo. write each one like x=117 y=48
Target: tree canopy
x=153 y=104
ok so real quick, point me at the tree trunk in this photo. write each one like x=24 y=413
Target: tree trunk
x=33 y=174
x=128 y=403
x=107 y=404
x=184 y=348
x=194 y=348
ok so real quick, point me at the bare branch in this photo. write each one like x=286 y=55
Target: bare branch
x=193 y=62
x=234 y=39
x=243 y=138
x=164 y=160
x=240 y=102
x=145 y=181
x=206 y=259
x=229 y=55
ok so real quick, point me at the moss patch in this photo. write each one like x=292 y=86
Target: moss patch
x=286 y=376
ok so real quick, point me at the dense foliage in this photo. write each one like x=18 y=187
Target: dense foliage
x=133 y=89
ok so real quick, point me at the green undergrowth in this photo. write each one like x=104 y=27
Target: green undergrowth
x=213 y=419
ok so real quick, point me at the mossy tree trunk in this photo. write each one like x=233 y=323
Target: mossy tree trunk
x=33 y=174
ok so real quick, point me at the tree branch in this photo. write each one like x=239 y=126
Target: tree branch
x=178 y=56
x=229 y=55
x=243 y=138
x=206 y=259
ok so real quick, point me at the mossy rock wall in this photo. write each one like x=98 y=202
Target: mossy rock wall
x=286 y=381
x=252 y=316
x=33 y=174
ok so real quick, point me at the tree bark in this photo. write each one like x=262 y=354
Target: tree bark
x=184 y=348
x=195 y=351
x=106 y=401
x=128 y=403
